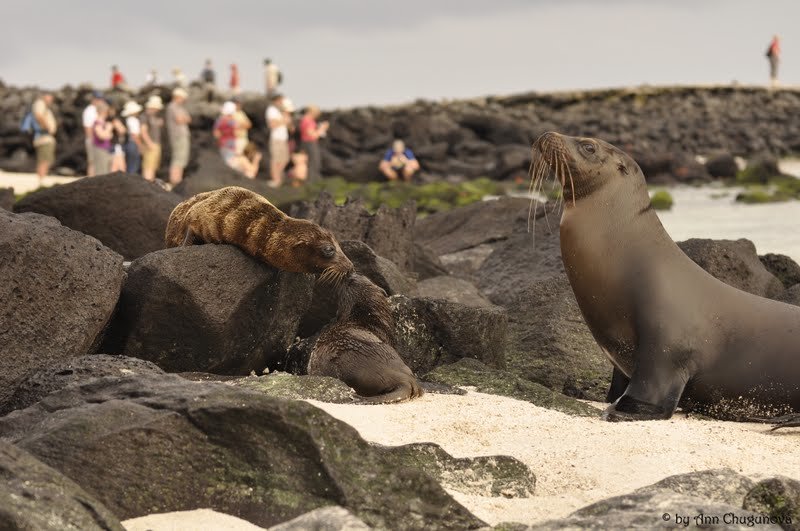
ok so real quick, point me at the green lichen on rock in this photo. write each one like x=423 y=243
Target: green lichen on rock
x=289 y=386
x=778 y=497
x=497 y=475
x=473 y=373
x=661 y=200
x=760 y=194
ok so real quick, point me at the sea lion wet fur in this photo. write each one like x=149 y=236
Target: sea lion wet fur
x=247 y=220
x=674 y=333
x=357 y=348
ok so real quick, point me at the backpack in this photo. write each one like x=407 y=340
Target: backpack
x=29 y=125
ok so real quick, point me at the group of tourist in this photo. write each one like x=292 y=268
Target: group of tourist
x=134 y=145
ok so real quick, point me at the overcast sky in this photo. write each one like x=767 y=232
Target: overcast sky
x=341 y=53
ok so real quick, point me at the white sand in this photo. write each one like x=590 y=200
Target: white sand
x=27 y=182
x=577 y=460
x=197 y=520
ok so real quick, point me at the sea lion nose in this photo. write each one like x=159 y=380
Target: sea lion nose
x=544 y=138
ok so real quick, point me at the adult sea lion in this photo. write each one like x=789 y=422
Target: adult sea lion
x=243 y=218
x=673 y=332
x=357 y=348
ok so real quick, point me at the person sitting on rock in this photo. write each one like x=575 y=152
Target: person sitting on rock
x=399 y=161
x=248 y=161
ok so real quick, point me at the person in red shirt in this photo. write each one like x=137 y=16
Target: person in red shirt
x=310 y=133
x=234 y=79
x=774 y=55
x=117 y=79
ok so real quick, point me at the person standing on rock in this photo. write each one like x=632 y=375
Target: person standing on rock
x=272 y=78
x=133 y=144
x=310 y=133
x=243 y=126
x=44 y=140
x=102 y=132
x=235 y=89
x=151 y=127
x=88 y=119
x=178 y=120
x=774 y=56
x=117 y=79
x=207 y=76
x=278 y=120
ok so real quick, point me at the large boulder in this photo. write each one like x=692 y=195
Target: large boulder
x=469 y=226
x=722 y=165
x=702 y=499
x=430 y=332
x=783 y=267
x=453 y=289
x=58 y=376
x=208 y=308
x=59 y=290
x=778 y=497
x=550 y=344
x=153 y=444
x=36 y=497
x=388 y=232
x=125 y=212
x=7 y=198
x=734 y=262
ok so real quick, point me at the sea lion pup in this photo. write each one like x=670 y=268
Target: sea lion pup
x=672 y=331
x=247 y=220
x=357 y=348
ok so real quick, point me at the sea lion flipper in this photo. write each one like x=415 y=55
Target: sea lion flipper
x=189 y=238
x=653 y=392
x=404 y=391
x=619 y=382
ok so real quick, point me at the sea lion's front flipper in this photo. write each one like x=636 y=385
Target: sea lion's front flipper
x=619 y=382
x=653 y=392
x=189 y=238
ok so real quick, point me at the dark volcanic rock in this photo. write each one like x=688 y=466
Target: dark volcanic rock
x=790 y=296
x=388 y=232
x=712 y=493
x=7 y=198
x=734 y=262
x=469 y=226
x=722 y=165
x=55 y=377
x=305 y=387
x=430 y=332
x=208 y=308
x=549 y=342
x=125 y=212
x=36 y=497
x=473 y=373
x=777 y=497
x=59 y=290
x=783 y=267
x=452 y=289
x=427 y=263
x=262 y=459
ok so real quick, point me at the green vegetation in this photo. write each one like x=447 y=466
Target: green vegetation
x=778 y=188
x=661 y=200
x=430 y=197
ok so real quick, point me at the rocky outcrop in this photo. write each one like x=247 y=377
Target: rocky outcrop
x=388 y=232
x=777 y=497
x=7 y=198
x=325 y=519
x=453 y=289
x=734 y=262
x=125 y=212
x=35 y=496
x=783 y=267
x=59 y=290
x=58 y=376
x=208 y=308
x=258 y=458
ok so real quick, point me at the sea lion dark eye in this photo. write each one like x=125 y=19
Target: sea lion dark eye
x=328 y=251
x=588 y=147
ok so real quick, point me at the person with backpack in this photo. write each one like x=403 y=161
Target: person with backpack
x=43 y=126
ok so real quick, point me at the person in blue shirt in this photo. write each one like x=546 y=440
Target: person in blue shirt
x=399 y=162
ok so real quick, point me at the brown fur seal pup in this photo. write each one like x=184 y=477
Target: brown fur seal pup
x=357 y=348
x=243 y=218
x=673 y=331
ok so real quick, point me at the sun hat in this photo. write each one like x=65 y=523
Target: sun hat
x=228 y=108
x=154 y=102
x=130 y=108
x=288 y=106
x=179 y=92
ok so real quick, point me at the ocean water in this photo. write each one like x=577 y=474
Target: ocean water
x=712 y=212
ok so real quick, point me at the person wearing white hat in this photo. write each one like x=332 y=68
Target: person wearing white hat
x=278 y=120
x=178 y=120
x=133 y=144
x=151 y=126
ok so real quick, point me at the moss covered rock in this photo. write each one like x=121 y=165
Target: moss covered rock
x=777 y=497
x=468 y=372
x=289 y=386
x=661 y=200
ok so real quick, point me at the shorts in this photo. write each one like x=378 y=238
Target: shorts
x=89 y=151
x=151 y=158
x=46 y=153
x=180 y=152
x=279 y=152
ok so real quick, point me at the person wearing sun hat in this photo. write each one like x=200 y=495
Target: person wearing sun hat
x=133 y=144
x=178 y=120
x=151 y=126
